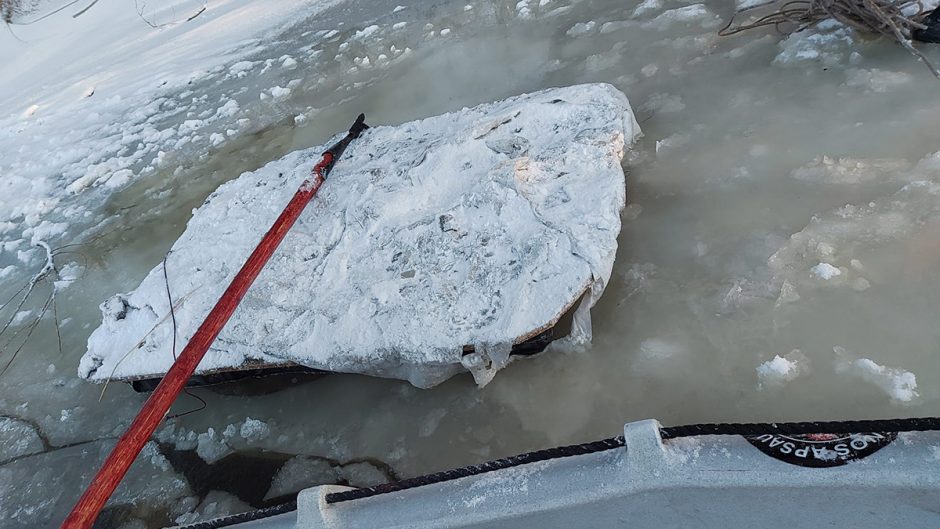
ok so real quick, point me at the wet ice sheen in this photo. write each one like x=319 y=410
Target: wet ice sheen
x=713 y=276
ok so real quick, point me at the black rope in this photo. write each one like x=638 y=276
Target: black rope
x=672 y=432
x=249 y=516
x=482 y=468
x=797 y=428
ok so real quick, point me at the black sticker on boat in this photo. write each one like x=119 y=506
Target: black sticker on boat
x=820 y=450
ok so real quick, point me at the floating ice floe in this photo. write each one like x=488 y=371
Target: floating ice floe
x=826 y=271
x=898 y=232
x=899 y=384
x=829 y=43
x=876 y=80
x=781 y=369
x=852 y=171
x=434 y=247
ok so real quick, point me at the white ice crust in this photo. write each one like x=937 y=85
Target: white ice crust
x=478 y=227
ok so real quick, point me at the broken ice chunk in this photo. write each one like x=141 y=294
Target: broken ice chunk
x=482 y=226
x=898 y=384
x=826 y=271
x=781 y=369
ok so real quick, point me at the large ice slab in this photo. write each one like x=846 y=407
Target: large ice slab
x=479 y=227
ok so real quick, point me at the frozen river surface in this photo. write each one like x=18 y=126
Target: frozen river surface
x=778 y=259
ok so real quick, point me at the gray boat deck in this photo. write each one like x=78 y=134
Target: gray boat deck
x=702 y=482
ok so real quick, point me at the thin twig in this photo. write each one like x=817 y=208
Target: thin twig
x=89 y=241
x=48 y=271
x=82 y=12
x=31 y=328
x=55 y=316
x=141 y=6
x=48 y=268
x=17 y=293
x=140 y=343
x=169 y=298
x=201 y=11
x=894 y=19
x=47 y=15
x=172 y=316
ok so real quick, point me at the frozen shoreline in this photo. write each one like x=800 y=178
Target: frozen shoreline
x=99 y=101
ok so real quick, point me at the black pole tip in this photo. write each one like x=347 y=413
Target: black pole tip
x=358 y=126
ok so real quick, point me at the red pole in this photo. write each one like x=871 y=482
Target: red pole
x=85 y=512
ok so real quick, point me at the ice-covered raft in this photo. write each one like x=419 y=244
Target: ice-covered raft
x=434 y=247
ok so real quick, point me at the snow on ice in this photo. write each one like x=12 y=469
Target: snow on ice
x=299 y=473
x=896 y=383
x=781 y=369
x=826 y=271
x=478 y=227
x=93 y=120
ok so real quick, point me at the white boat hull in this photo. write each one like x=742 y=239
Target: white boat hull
x=696 y=482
